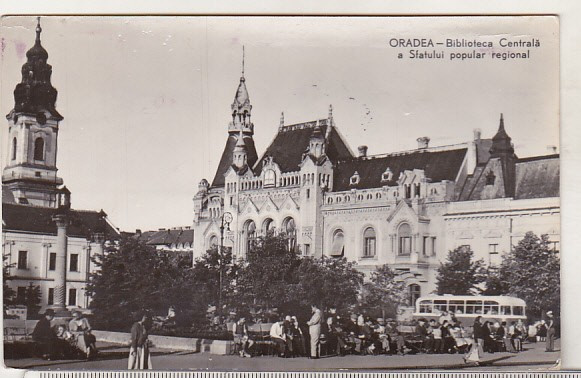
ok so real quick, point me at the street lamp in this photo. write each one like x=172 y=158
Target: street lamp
x=225 y=223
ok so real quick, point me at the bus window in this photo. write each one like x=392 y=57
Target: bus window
x=456 y=306
x=474 y=307
x=505 y=310
x=517 y=310
x=441 y=305
x=426 y=307
x=490 y=308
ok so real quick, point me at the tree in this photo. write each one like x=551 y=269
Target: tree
x=328 y=283
x=32 y=301
x=268 y=276
x=383 y=293
x=206 y=276
x=532 y=272
x=133 y=277
x=459 y=275
x=494 y=284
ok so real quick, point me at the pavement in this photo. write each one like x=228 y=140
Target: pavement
x=114 y=357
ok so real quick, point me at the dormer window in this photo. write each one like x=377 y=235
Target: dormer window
x=269 y=178
x=490 y=177
x=387 y=175
x=354 y=179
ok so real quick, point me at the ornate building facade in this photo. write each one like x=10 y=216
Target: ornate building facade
x=45 y=242
x=406 y=209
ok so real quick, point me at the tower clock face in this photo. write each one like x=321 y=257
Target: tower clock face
x=227 y=217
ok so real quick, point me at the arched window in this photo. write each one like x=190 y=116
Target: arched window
x=39 y=149
x=250 y=233
x=213 y=242
x=290 y=229
x=268 y=226
x=414 y=292
x=338 y=245
x=404 y=237
x=369 y=242
x=269 y=178
x=14 y=145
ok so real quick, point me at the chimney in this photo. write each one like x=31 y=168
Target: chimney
x=552 y=149
x=138 y=231
x=477 y=134
x=423 y=142
x=362 y=151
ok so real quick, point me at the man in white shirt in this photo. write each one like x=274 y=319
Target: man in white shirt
x=278 y=337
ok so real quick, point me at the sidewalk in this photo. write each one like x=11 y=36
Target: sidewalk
x=114 y=357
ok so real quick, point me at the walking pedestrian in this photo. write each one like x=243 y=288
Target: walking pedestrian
x=315 y=331
x=476 y=351
x=44 y=336
x=550 y=346
x=139 y=357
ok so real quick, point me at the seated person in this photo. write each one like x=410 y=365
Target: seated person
x=278 y=337
x=242 y=337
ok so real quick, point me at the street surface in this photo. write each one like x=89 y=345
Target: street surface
x=114 y=357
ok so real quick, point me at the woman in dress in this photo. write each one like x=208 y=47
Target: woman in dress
x=79 y=326
x=139 y=357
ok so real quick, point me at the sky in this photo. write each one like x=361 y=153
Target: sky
x=146 y=100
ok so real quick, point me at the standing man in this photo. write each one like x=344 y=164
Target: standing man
x=315 y=330
x=550 y=346
x=45 y=337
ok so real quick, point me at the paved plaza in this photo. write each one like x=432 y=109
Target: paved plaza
x=114 y=357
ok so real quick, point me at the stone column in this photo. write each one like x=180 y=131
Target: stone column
x=60 y=289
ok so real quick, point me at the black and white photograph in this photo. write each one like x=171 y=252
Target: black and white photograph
x=273 y=193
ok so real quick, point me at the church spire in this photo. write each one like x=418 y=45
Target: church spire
x=501 y=142
x=241 y=108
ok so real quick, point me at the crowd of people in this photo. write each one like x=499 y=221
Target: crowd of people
x=72 y=340
x=358 y=334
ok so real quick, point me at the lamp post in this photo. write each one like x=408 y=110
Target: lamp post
x=225 y=223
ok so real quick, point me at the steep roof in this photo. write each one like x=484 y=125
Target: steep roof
x=438 y=165
x=537 y=177
x=226 y=159
x=37 y=219
x=290 y=143
x=167 y=237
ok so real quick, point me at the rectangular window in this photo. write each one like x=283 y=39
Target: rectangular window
x=307 y=250
x=308 y=193
x=405 y=245
x=74 y=262
x=72 y=297
x=231 y=200
x=21 y=294
x=494 y=254
x=425 y=246
x=52 y=261
x=433 y=250
x=50 y=296
x=369 y=247
x=22 y=259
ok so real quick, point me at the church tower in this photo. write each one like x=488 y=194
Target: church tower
x=240 y=126
x=31 y=172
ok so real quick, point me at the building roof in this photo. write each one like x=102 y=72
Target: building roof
x=167 y=237
x=438 y=165
x=226 y=159
x=290 y=143
x=537 y=177
x=83 y=224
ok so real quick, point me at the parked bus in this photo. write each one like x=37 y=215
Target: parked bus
x=466 y=308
